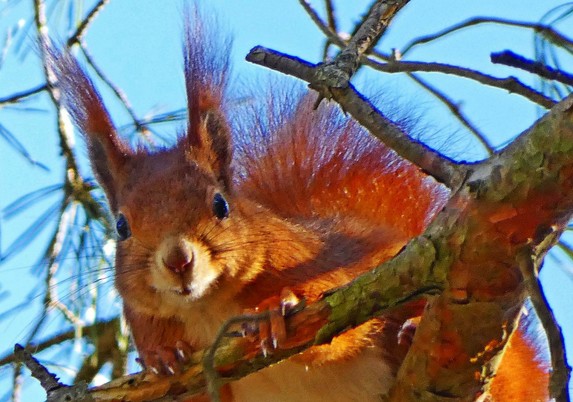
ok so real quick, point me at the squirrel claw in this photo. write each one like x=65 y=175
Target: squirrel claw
x=271 y=331
x=183 y=351
x=407 y=331
x=167 y=361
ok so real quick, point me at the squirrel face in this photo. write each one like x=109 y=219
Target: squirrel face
x=174 y=241
x=179 y=228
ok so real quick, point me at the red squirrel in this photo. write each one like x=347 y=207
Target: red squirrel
x=299 y=199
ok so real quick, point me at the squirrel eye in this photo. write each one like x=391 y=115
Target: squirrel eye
x=122 y=227
x=220 y=206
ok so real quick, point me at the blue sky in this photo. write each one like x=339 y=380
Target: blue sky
x=138 y=45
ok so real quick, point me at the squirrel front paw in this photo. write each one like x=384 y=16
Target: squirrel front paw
x=165 y=360
x=269 y=327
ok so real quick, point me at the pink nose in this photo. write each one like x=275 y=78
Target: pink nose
x=179 y=259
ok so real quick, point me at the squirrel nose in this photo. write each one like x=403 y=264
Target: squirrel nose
x=179 y=259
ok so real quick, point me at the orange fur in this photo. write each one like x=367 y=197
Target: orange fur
x=521 y=375
x=313 y=202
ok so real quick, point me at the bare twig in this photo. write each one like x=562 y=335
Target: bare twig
x=139 y=126
x=332 y=25
x=440 y=167
x=48 y=380
x=337 y=73
x=510 y=84
x=77 y=37
x=18 y=96
x=545 y=30
x=42 y=30
x=329 y=5
x=98 y=327
x=327 y=30
x=56 y=391
x=509 y=58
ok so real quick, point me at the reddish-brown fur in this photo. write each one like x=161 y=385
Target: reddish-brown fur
x=313 y=201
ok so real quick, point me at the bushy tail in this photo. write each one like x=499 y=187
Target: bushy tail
x=303 y=162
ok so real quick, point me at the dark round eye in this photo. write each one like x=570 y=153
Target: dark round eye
x=220 y=206
x=122 y=227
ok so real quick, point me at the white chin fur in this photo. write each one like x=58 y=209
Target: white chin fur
x=192 y=285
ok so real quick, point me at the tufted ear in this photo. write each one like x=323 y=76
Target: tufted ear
x=213 y=145
x=108 y=154
x=208 y=134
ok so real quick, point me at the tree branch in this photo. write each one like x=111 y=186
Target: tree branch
x=440 y=167
x=78 y=36
x=545 y=30
x=18 y=96
x=511 y=84
x=337 y=73
x=509 y=58
x=96 y=328
x=409 y=276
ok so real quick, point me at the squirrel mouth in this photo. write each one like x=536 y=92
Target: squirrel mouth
x=184 y=291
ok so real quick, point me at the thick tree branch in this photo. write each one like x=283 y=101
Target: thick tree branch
x=498 y=212
x=495 y=216
x=410 y=275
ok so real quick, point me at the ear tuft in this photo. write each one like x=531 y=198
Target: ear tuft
x=206 y=74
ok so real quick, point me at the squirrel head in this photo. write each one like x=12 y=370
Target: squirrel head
x=179 y=224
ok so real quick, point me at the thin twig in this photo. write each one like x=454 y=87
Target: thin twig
x=510 y=84
x=55 y=390
x=211 y=375
x=439 y=166
x=18 y=96
x=332 y=25
x=82 y=28
x=42 y=30
x=17 y=383
x=98 y=327
x=326 y=29
x=455 y=110
x=329 y=6
x=547 y=31
x=139 y=126
x=509 y=58
x=48 y=380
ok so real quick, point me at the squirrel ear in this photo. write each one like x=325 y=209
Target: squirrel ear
x=208 y=134
x=212 y=145
x=108 y=154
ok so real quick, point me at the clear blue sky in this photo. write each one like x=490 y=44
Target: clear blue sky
x=138 y=45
